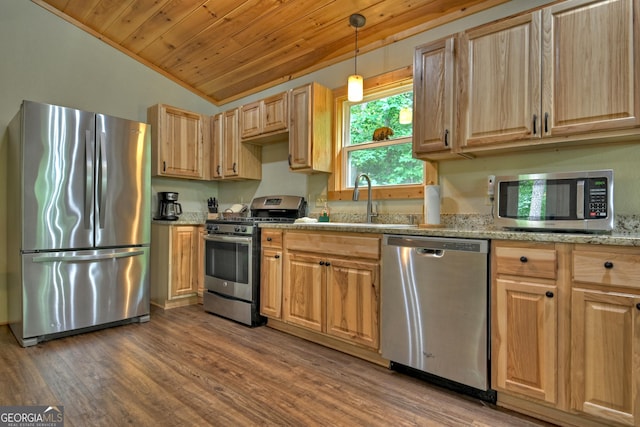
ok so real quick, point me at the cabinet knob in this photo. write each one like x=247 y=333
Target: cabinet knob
x=535 y=124
x=327 y=263
x=276 y=256
x=269 y=239
x=234 y=167
x=546 y=122
x=608 y=264
x=523 y=259
x=638 y=306
x=549 y=294
x=446 y=137
x=321 y=263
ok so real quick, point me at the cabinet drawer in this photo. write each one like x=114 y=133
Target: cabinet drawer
x=335 y=244
x=271 y=238
x=609 y=268
x=527 y=261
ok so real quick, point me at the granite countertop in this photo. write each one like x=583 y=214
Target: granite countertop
x=187 y=218
x=616 y=238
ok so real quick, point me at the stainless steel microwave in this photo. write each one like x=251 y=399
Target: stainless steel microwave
x=569 y=201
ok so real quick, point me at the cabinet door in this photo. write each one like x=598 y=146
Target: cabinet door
x=304 y=291
x=591 y=65
x=184 y=273
x=182 y=144
x=231 y=144
x=353 y=301
x=251 y=119
x=525 y=339
x=300 y=128
x=500 y=81
x=310 y=127
x=271 y=283
x=217 y=145
x=605 y=357
x=433 y=127
x=275 y=116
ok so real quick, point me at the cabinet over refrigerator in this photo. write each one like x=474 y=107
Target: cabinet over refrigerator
x=80 y=218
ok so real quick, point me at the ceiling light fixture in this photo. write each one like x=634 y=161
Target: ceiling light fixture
x=354 y=85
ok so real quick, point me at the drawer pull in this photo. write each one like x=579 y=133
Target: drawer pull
x=608 y=264
x=523 y=259
x=269 y=239
x=549 y=294
x=276 y=256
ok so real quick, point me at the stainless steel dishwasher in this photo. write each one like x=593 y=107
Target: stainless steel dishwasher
x=434 y=309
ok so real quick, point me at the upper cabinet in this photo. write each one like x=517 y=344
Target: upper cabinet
x=500 y=81
x=566 y=72
x=591 y=66
x=178 y=141
x=231 y=158
x=266 y=119
x=434 y=97
x=310 y=129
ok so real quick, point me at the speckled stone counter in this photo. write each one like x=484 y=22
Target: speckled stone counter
x=479 y=228
x=187 y=218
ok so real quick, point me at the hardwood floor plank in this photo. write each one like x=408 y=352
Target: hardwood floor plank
x=188 y=367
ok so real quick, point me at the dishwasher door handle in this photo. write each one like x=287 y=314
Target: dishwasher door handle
x=436 y=253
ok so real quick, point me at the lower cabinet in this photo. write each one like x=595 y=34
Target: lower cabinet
x=605 y=333
x=176 y=267
x=271 y=274
x=329 y=289
x=566 y=331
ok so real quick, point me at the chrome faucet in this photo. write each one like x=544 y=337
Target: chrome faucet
x=356 y=192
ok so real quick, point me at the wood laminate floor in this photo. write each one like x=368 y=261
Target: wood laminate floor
x=189 y=368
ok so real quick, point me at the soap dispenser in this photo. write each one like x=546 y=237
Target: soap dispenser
x=324 y=214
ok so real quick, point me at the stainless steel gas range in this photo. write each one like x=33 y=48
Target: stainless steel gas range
x=232 y=257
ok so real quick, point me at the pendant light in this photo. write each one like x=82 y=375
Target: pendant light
x=355 y=84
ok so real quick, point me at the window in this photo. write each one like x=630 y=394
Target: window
x=388 y=162
x=386 y=157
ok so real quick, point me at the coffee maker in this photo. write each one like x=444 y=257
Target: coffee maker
x=168 y=206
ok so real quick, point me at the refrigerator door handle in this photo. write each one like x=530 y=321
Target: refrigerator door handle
x=80 y=258
x=102 y=180
x=88 y=185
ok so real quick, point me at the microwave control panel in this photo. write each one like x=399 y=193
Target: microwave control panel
x=596 y=197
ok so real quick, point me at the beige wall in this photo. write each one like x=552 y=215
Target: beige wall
x=44 y=58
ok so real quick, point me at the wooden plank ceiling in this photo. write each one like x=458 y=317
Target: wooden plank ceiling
x=223 y=50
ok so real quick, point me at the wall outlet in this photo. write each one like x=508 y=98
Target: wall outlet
x=491 y=186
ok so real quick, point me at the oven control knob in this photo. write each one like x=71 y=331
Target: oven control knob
x=236 y=228
x=214 y=228
x=243 y=229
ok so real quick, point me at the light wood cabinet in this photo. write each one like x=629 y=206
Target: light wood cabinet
x=271 y=274
x=331 y=285
x=231 y=158
x=175 y=266
x=179 y=146
x=310 y=127
x=525 y=319
x=605 y=333
x=500 y=81
x=265 y=120
x=434 y=127
x=569 y=69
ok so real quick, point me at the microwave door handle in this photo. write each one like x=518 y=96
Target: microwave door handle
x=580 y=199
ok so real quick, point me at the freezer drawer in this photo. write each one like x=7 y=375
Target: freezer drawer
x=65 y=291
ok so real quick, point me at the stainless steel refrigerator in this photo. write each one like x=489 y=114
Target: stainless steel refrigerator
x=79 y=220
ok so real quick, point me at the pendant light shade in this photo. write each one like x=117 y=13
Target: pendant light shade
x=355 y=90
x=405 y=116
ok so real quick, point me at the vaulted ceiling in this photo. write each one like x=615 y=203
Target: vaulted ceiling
x=223 y=50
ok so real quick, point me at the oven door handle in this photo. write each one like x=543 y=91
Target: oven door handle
x=225 y=238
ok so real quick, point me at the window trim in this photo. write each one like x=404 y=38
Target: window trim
x=381 y=83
